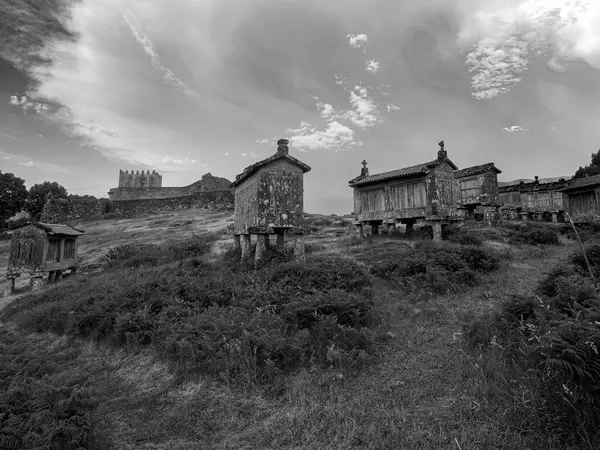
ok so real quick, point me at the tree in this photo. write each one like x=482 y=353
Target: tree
x=591 y=169
x=13 y=195
x=36 y=199
x=81 y=197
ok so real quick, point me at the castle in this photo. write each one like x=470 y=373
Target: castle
x=146 y=186
x=140 y=180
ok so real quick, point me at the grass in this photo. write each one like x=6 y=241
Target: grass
x=414 y=385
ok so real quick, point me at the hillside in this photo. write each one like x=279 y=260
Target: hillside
x=380 y=343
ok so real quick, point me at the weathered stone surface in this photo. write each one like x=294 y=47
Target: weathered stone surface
x=299 y=249
x=270 y=195
x=262 y=242
x=246 y=246
x=63 y=210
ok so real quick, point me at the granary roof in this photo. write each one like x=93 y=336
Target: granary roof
x=53 y=228
x=578 y=183
x=282 y=153
x=476 y=170
x=418 y=169
x=545 y=184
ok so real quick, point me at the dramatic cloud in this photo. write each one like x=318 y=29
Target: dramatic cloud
x=372 y=66
x=357 y=40
x=392 y=108
x=178 y=162
x=262 y=141
x=26 y=164
x=505 y=38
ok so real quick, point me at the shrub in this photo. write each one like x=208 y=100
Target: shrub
x=437 y=267
x=532 y=234
x=593 y=255
x=459 y=235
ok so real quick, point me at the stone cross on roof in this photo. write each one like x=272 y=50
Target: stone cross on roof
x=364 y=163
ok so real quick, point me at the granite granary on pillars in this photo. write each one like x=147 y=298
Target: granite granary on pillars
x=269 y=199
x=40 y=249
x=510 y=198
x=427 y=192
x=582 y=198
x=543 y=199
x=478 y=192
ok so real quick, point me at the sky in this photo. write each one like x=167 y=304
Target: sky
x=186 y=87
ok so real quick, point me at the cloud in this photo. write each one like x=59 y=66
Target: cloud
x=41 y=166
x=335 y=137
x=252 y=155
x=372 y=66
x=357 y=40
x=392 y=108
x=7 y=136
x=167 y=74
x=262 y=141
x=26 y=104
x=504 y=38
x=515 y=129
x=226 y=154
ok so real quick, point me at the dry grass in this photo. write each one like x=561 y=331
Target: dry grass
x=422 y=393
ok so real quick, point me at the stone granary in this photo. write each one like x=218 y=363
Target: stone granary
x=582 y=196
x=478 y=188
x=269 y=199
x=40 y=248
x=538 y=199
x=426 y=192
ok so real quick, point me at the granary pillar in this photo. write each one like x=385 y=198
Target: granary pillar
x=37 y=281
x=360 y=229
x=51 y=277
x=9 y=288
x=261 y=247
x=237 y=242
x=280 y=242
x=374 y=227
x=554 y=217
x=437 y=230
x=246 y=246
x=59 y=276
x=390 y=228
x=299 y=251
x=410 y=227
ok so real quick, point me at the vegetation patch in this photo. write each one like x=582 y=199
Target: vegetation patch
x=250 y=326
x=544 y=352
x=532 y=234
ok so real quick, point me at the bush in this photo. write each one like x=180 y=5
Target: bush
x=459 y=235
x=532 y=234
x=437 y=267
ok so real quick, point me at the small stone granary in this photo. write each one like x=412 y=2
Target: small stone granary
x=478 y=187
x=40 y=249
x=269 y=199
x=427 y=192
x=582 y=196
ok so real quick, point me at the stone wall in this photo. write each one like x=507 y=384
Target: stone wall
x=199 y=200
x=63 y=210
